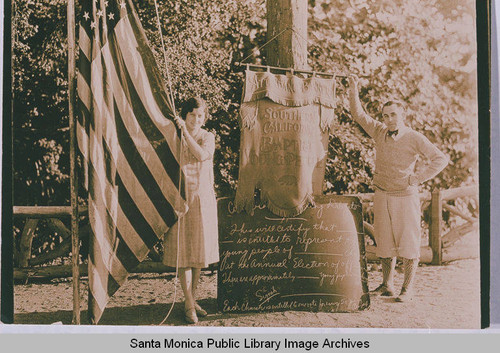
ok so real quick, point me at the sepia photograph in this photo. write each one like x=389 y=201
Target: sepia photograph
x=244 y=163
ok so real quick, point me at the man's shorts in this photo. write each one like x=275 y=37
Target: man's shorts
x=397 y=225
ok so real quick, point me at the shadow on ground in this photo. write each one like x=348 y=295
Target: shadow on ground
x=145 y=315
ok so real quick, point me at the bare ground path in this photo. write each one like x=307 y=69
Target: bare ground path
x=447 y=297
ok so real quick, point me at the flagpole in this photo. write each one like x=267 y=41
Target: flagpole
x=73 y=177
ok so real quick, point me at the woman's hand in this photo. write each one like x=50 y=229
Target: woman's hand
x=181 y=124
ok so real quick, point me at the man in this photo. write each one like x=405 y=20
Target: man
x=396 y=202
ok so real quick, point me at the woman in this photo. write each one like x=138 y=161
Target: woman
x=197 y=229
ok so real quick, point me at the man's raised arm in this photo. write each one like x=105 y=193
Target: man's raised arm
x=370 y=125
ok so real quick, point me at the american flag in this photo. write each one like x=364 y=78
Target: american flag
x=128 y=143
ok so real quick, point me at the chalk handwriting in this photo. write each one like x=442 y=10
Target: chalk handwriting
x=267 y=262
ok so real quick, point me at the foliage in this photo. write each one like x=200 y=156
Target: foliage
x=40 y=122
x=420 y=52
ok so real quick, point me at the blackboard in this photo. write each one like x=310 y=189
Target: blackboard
x=314 y=261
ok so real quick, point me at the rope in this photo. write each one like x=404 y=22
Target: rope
x=305 y=40
x=171 y=96
x=269 y=41
x=302 y=37
x=178 y=243
x=165 y=57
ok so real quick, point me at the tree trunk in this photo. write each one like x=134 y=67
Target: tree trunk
x=288 y=49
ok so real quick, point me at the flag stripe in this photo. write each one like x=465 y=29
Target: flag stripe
x=85 y=44
x=98 y=297
x=110 y=166
x=136 y=190
x=109 y=203
x=126 y=256
x=84 y=116
x=154 y=163
x=134 y=185
x=84 y=70
x=84 y=91
x=97 y=283
x=138 y=70
x=134 y=240
x=117 y=259
x=104 y=258
x=135 y=217
x=83 y=141
x=104 y=201
x=98 y=256
x=140 y=170
x=163 y=100
x=113 y=286
x=145 y=120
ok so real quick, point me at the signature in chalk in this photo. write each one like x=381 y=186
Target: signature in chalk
x=264 y=295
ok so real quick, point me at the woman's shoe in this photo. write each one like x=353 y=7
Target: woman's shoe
x=190 y=316
x=200 y=311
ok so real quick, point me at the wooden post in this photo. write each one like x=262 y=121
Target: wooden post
x=288 y=18
x=435 y=227
x=7 y=200
x=46 y=211
x=75 y=252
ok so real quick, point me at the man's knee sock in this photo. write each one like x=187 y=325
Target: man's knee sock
x=388 y=266
x=410 y=269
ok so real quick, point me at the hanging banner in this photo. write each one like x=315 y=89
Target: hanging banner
x=284 y=121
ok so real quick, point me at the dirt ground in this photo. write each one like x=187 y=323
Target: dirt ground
x=447 y=297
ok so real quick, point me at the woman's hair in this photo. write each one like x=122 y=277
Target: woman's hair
x=191 y=104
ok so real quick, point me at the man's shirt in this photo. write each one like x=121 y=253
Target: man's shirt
x=396 y=155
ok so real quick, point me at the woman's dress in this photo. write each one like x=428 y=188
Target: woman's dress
x=198 y=233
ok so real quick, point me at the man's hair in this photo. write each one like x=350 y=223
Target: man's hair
x=394 y=102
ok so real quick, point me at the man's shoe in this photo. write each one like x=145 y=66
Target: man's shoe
x=384 y=290
x=404 y=296
x=389 y=292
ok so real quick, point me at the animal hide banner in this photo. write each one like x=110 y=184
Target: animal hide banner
x=284 y=121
